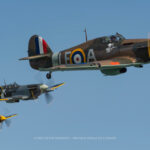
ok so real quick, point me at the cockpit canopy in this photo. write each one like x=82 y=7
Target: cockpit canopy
x=117 y=38
x=14 y=85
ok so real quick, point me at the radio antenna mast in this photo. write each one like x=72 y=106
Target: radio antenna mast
x=85 y=35
x=5 y=83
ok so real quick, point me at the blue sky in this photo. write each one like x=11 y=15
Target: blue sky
x=89 y=104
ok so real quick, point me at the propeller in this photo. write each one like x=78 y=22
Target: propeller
x=5 y=112
x=1 y=125
x=48 y=98
x=7 y=122
x=47 y=89
x=5 y=116
x=44 y=87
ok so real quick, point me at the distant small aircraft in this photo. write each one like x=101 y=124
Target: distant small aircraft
x=109 y=54
x=6 y=120
x=14 y=93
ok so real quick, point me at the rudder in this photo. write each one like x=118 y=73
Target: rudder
x=39 y=49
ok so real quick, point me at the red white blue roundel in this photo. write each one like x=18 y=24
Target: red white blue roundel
x=77 y=56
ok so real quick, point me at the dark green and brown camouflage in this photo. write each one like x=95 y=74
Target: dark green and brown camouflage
x=110 y=54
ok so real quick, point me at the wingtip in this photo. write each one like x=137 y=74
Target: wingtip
x=62 y=83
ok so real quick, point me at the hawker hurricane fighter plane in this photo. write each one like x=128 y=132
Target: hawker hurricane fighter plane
x=109 y=54
x=14 y=93
x=6 y=120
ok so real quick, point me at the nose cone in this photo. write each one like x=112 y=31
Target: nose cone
x=43 y=87
x=2 y=118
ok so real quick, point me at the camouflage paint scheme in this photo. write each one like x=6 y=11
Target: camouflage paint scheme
x=110 y=54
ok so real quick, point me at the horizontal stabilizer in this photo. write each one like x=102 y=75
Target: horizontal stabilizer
x=35 y=57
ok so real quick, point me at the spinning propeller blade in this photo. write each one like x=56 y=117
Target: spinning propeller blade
x=7 y=122
x=1 y=125
x=48 y=98
x=47 y=88
x=6 y=119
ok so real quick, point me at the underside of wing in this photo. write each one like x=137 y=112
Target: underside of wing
x=118 y=65
x=114 y=63
x=71 y=67
x=118 y=62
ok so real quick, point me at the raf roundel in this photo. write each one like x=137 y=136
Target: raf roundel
x=77 y=56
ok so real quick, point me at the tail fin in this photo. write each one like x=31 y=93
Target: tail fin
x=40 y=54
x=38 y=46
